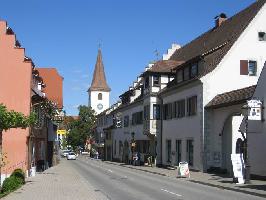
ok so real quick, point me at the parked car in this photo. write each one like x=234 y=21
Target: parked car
x=65 y=153
x=84 y=153
x=71 y=156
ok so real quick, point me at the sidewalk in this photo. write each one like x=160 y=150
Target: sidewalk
x=256 y=187
x=57 y=183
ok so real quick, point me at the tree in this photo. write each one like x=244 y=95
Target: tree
x=82 y=128
x=12 y=119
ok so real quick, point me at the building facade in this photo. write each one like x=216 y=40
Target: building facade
x=194 y=112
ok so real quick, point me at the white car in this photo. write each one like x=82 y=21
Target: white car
x=65 y=153
x=71 y=156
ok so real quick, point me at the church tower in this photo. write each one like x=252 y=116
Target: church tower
x=99 y=91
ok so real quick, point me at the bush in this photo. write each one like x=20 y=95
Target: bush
x=19 y=174
x=10 y=184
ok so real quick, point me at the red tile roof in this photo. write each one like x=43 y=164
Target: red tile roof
x=213 y=45
x=164 y=66
x=54 y=85
x=232 y=97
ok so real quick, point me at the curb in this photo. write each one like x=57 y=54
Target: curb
x=195 y=181
x=229 y=188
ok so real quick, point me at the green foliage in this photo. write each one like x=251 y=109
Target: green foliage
x=64 y=143
x=82 y=128
x=12 y=119
x=48 y=108
x=19 y=174
x=10 y=184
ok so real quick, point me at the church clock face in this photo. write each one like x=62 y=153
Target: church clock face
x=100 y=106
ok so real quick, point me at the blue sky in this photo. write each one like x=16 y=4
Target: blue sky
x=66 y=33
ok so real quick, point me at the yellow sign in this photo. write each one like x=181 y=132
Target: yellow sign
x=62 y=132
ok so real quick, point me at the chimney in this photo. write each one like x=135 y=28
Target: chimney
x=220 y=19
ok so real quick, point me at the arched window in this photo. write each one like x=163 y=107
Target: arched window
x=100 y=96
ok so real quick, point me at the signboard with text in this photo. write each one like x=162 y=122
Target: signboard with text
x=61 y=132
x=183 y=169
x=254 y=109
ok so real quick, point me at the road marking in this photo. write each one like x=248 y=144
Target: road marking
x=179 y=195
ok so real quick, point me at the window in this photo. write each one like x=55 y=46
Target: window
x=100 y=96
x=179 y=76
x=147 y=82
x=168 y=150
x=262 y=36
x=156 y=80
x=192 y=105
x=248 y=67
x=156 y=111
x=194 y=70
x=252 y=68
x=178 y=146
x=167 y=114
x=190 y=150
x=186 y=73
x=179 y=109
x=137 y=118
x=126 y=121
x=117 y=122
x=147 y=112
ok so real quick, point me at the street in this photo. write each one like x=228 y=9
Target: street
x=119 y=183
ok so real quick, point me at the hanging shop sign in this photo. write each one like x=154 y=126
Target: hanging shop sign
x=254 y=110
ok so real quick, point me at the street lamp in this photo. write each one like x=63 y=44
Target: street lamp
x=245 y=153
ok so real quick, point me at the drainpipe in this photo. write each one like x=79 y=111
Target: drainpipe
x=161 y=129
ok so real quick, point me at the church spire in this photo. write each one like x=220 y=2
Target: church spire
x=99 y=82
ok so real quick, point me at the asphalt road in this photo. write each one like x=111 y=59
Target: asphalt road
x=119 y=183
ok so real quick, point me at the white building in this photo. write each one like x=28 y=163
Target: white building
x=256 y=131
x=137 y=119
x=228 y=57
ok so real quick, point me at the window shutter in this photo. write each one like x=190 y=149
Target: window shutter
x=170 y=110
x=243 y=67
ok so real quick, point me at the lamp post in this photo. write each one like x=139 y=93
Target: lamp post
x=254 y=108
x=246 y=157
x=246 y=111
